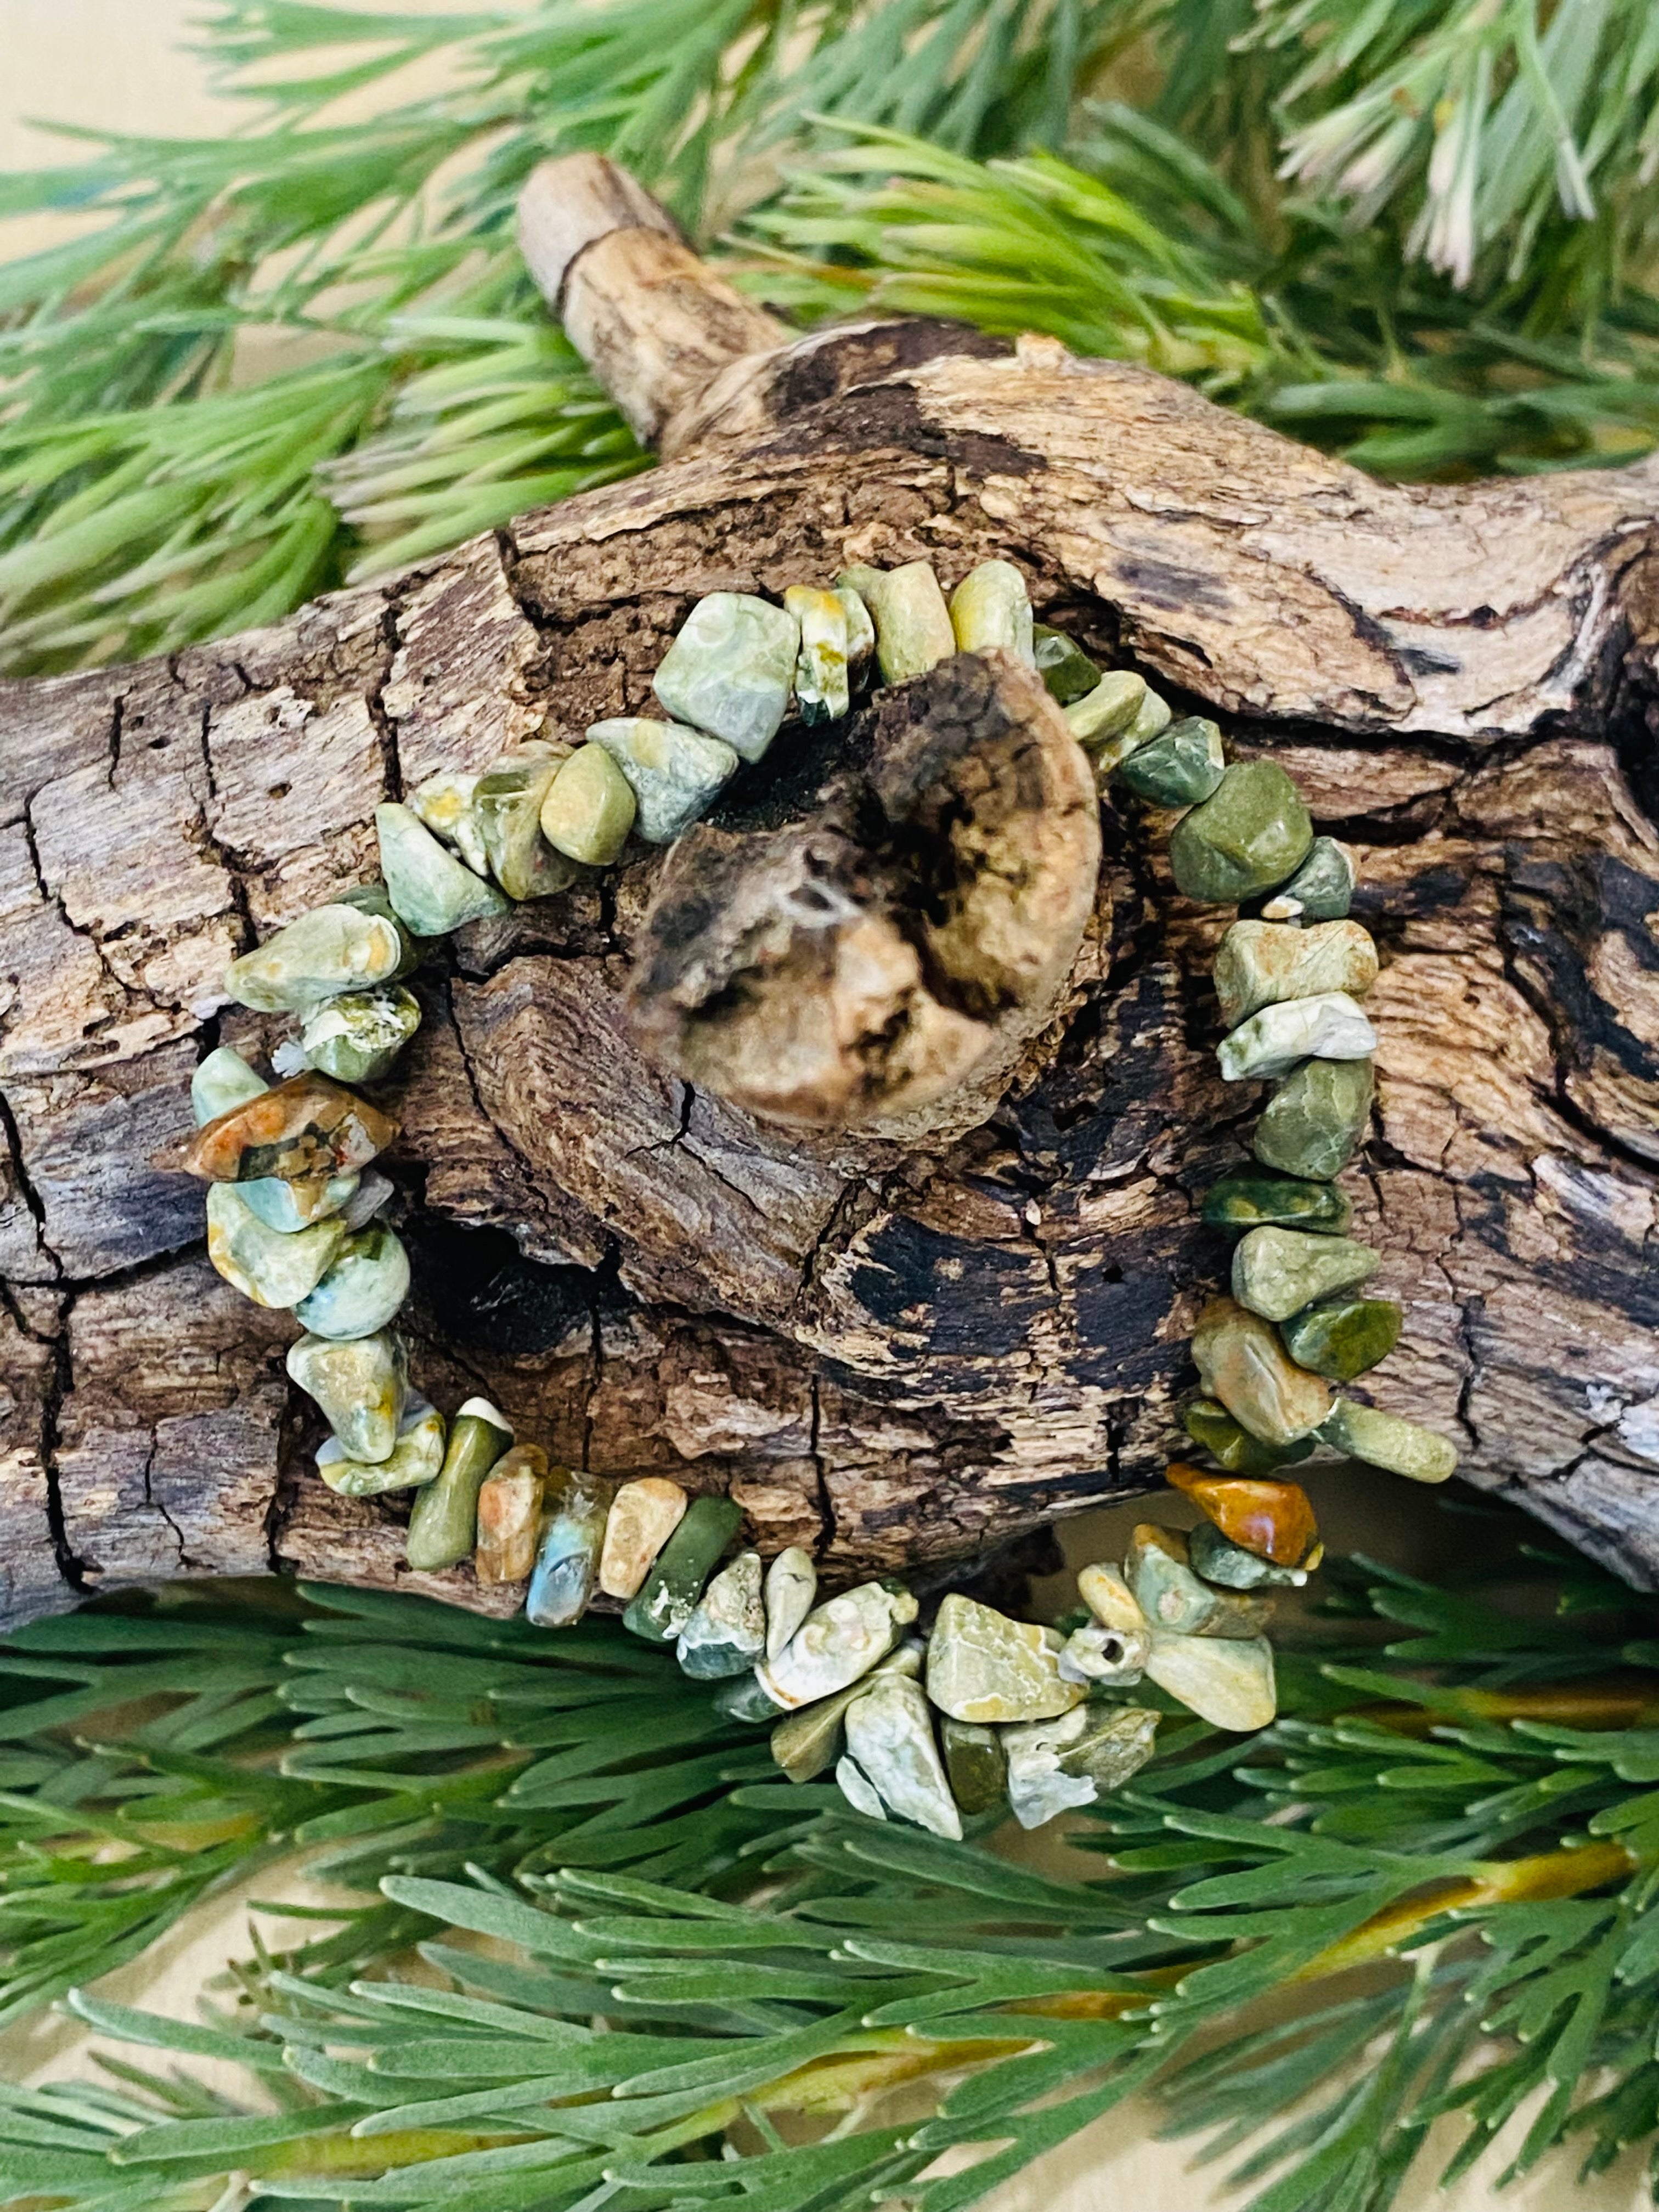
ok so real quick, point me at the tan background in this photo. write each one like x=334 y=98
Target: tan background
x=122 y=65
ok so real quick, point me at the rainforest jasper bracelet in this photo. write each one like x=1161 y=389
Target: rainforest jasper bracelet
x=1036 y=1718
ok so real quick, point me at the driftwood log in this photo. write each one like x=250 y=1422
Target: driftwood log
x=900 y=1348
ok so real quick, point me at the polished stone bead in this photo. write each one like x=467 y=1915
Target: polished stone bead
x=444 y=1526
x=1039 y=1789
x=1241 y=1362
x=337 y=947
x=590 y=808
x=269 y=1266
x=1226 y=1680
x=1271 y=1043
x=431 y=891
x=1066 y=670
x=1232 y=1567
x=791 y=1586
x=222 y=1080
x=356 y=1038
x=976 y=1765
x=1316 y=1119
x=1180 y=768
x=508 y=804
x=674 y=774
x=1208 y=1422
x=510 y=1508
x=726 y=1634
x=644 y=1515
x=1251 y=1200
x=1263 y=963
x=822 y=689
x=364 y=1288
x=746 y=1698
x=372 y=1192
x=890 y=1733
x=1115 y=706
x=1105 y=1655
x=567 y=1557
x=913 y=623
x=668 y=1596
x=1321 y=890
x=1275 y=1519
x=1109 y=1599
x=1385 y=1440
x=981 y=1666
x=1342 y=1338
x=808 y=1743
x=1178 y=1601
x=730 y=670
x=991 y=608
x=1056 y=1765
x=856 y=1787
x=859 y=576
x=361 y=1387
x=1111 y=1746
x=416 y=1458
x=308 y=1128
x=1276 y=1272
x=443 y=804
x=1249 y=834
x=860 y=630
x=838 y=1642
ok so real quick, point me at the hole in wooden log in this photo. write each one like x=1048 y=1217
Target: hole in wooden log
x=878 y=943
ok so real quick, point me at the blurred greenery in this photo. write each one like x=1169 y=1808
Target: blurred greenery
x=1420 y=233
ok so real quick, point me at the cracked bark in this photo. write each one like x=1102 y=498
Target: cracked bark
x=894 y=1353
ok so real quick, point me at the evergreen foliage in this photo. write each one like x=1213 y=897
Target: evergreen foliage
x=605 y=1956
x=1421 y=234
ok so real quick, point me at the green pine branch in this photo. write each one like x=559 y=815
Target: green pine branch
x=652 y=1972
x=1421 y=236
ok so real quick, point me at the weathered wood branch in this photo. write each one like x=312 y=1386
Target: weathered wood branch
x=892 y=1352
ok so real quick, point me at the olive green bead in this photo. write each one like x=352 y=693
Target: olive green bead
x=1276 y=1272
x=1183 y=767
x=1317 y=1118
x=1321 y=890
x=1252 y=1199
x=668 y=1596
x=1385 y=1440
x=443 y=1528
x=1066 y=670
x=976 y=1764
x=1341 y=1338
x=1209 y=1424
x=1249 y=834
x=589 y=808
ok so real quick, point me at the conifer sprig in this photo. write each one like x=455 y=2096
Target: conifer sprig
x=1421 y=236
x=653 y=1975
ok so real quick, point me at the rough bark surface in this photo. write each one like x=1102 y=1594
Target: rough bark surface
x=891 y=1353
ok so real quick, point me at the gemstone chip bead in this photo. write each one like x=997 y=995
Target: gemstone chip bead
x=1276 y=1272
x=1241 y=1362
x=1250 y=834
x=675 y=774
x=983 y=1665
x=568 y=1557
x=430 y=890
x=730 y=669
x=668 y=1596
x=443 y=1528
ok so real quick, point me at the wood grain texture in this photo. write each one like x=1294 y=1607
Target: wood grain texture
x=895 y=1353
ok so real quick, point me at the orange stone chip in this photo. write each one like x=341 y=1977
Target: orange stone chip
x=1274 y=1520
x=301 y=1129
